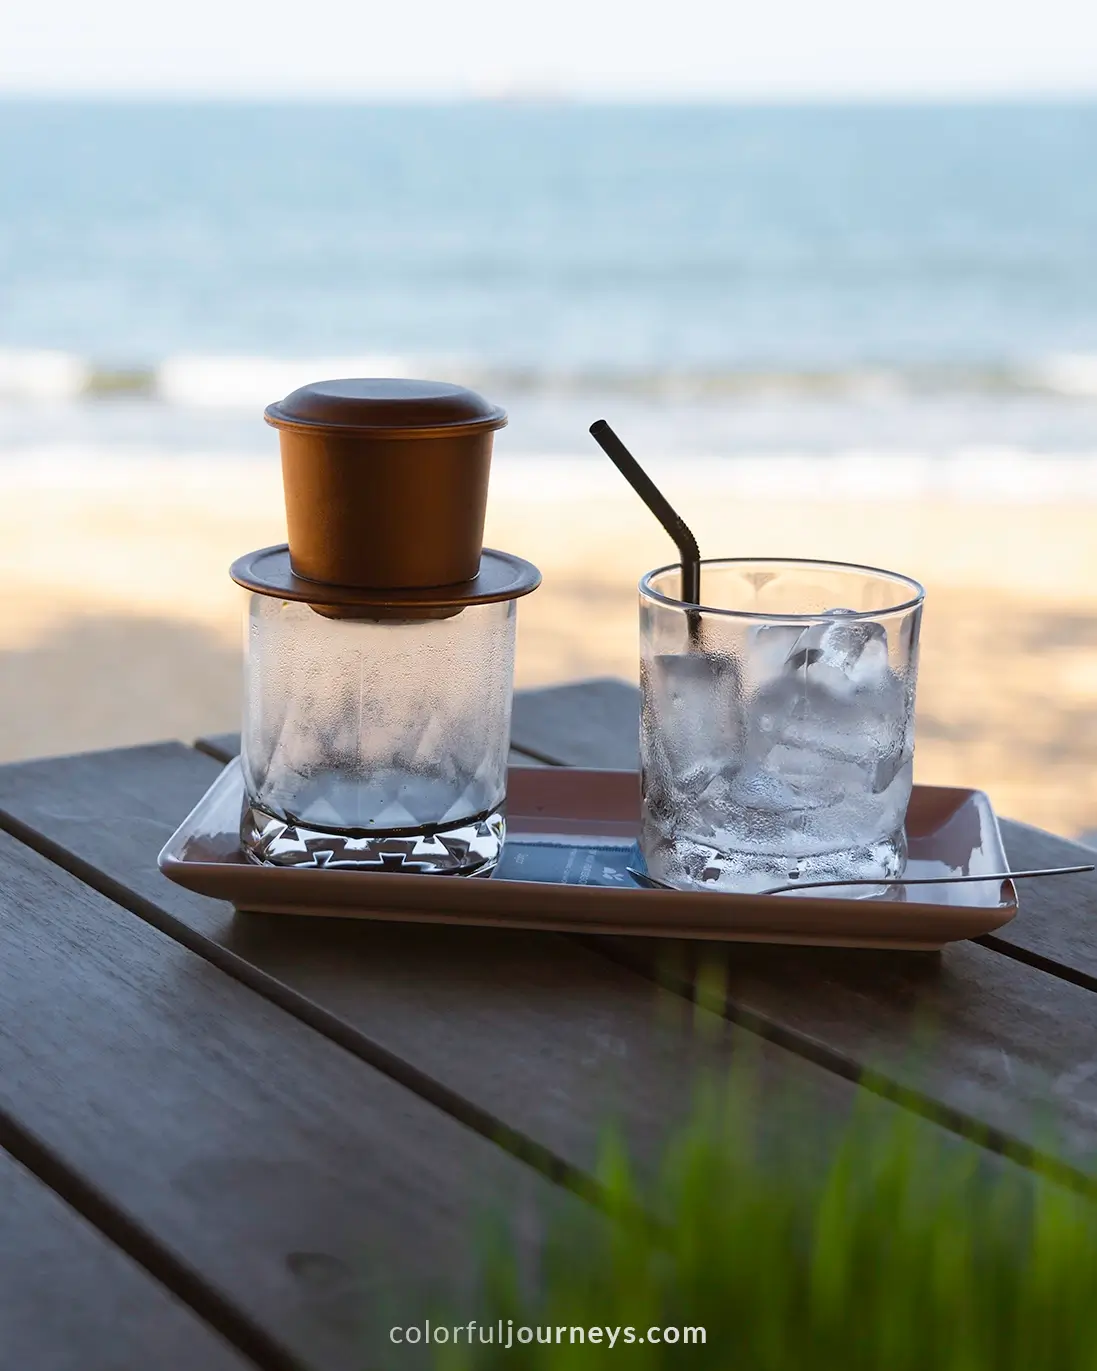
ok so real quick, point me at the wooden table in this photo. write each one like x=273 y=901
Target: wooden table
x=227 y=1140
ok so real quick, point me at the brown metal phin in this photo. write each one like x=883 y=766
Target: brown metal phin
x=386 y=481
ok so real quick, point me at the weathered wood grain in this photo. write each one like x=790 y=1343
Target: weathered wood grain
x=264 y=1161
x=528 y=1033
x=973 y=1031
x=71 y=1301
x=596 y=720
x=974 y=1035
x=1056 y=928
x=266 y=1165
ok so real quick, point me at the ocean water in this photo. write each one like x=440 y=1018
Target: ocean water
x=914 y=285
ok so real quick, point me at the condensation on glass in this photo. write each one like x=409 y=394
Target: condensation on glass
x=777 y=724
x=379 y=652
x=378 y=745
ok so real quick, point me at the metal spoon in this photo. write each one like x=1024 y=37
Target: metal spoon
x=650 y=882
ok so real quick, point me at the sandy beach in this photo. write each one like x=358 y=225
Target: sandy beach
x=121 y=625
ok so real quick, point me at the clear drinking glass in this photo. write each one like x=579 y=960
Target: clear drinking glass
x=777 y=725
x=376 y=744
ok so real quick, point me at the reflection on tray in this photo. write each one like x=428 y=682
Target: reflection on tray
x=568 y=861
x=584 y=860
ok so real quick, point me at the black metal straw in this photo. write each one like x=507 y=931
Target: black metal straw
x=660 y=506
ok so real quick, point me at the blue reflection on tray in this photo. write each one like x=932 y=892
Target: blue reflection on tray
x=569 y=863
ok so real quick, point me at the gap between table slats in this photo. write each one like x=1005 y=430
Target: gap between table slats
x=66 y=1286
x=529 y=1038
x=969 y=1090
x=590 y=723
x=227 y=1148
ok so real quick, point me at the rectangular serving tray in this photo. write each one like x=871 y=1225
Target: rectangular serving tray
x=582 y=826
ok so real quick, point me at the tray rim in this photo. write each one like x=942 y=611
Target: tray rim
x=665 y=915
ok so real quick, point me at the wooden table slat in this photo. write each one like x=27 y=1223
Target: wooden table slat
x=71 y=1301
x=1000 y=1034
x=293 y=1180
x=533 y=1030
x=1056 y=928
x=971 y=1034
x=258 y=1155
x=588 y=723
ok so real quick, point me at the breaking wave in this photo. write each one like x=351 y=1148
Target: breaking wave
x=239 y=382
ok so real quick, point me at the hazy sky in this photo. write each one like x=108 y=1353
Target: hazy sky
x=639 y=48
